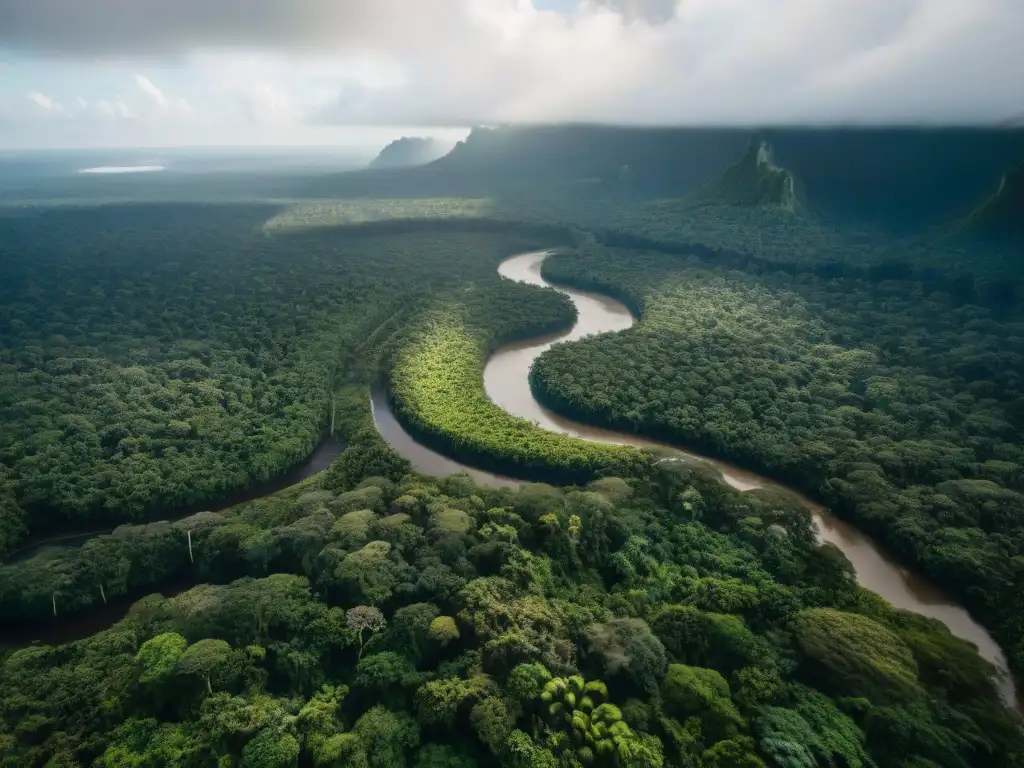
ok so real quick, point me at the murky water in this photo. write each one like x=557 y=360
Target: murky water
x=507 y=384
x=424 y=459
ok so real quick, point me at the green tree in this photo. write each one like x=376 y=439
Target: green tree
x=271 y=748
x=492 y=721
x=208 y=660
x=105 y=562
x=737 y=752
x=856 y=654
x=369 y=574
x=440 y=701
x=409 y=631
x=627 y=647
x=520 y=751
x=443 y=630
x=386 y=676
x=158 y=659
x=526 y=682
x=704 y=693
x=387 y=737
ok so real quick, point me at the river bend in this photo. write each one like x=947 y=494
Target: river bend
x=506 y=381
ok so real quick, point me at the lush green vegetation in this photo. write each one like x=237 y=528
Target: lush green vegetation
x=902 y=409
x=158 y=356
x=396 y=620
x=59 y=581
x=330 y=213
x=755 y=180
x=436 y=381
x=795 y=238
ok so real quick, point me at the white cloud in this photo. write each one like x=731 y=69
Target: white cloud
x=286 y=65
x=280 y=88
x=164 y=106
x=147 y=87
x=156 y=107
x=705 y=61
x=117 y=109
x=45 y=103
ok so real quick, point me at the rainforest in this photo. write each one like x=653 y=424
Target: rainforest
x=525 y=456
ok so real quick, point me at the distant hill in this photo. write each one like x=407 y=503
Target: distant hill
x=756 y=180
x=657 y=161
x=1002 y=212
x=409 y=151
x=902 y=179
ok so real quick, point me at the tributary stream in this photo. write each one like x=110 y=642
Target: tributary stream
x=506 y=380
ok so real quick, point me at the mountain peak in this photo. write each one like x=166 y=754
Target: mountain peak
x=756 y=180
x=409 y=151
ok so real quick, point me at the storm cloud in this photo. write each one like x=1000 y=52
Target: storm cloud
x=445 y=62
x=157 y=28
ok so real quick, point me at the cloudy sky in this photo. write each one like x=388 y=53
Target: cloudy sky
x=295 y=72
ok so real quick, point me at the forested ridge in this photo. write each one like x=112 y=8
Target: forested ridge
x=60 y=582
x=898 y=407
x=900 y=179
x=867 y=196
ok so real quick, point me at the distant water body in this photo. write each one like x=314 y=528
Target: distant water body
x=125 y=169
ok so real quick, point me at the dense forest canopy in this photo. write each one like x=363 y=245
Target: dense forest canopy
x=438 y=393
x=405 y=620
x=855 y=340
x=158 y=356
x=866 y=196
x=901 y=407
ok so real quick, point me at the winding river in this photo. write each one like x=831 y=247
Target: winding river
x=507 y=384
x=326 y=451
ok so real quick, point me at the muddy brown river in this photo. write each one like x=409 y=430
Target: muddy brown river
x=506 y=380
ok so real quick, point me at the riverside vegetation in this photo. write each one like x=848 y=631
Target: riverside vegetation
x=391 y=619
x=899 y=406
x=438 y=392
x=642 y=614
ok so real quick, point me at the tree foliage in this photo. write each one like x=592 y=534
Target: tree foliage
x=373 y=617
x=892 y=397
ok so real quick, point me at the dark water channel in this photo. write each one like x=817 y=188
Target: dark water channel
x=79 y=625
x=507 y=384
x=325 y=452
